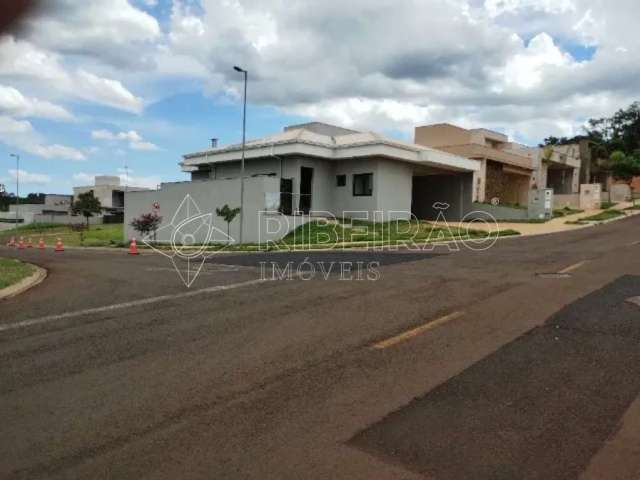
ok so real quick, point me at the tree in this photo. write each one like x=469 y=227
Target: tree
x=146 y=223
x=86 y=205
x=624 y=167
x=228 y=215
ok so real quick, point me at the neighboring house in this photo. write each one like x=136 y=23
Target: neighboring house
x=109 y=191
x=319 y=170
x=54 y=209
x=559 y=167
x=506 y=168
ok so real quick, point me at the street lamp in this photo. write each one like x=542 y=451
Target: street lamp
x=244 y=131
x=17 y=157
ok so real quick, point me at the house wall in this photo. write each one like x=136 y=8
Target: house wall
x=209 y=195
x=561 y=201
x=508 y=187
x=394 y=186
x=442 y=135
x=391 y=180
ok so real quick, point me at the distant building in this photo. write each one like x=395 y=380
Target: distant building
x=509 y=170
x=55 y=209
x=506 y=168
x=109 y=191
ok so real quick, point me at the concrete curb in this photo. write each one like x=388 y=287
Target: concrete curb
x=25 y=284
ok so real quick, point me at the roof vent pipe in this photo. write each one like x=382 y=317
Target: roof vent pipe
x=214 y=143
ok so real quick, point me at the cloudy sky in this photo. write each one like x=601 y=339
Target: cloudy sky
x=89 y=87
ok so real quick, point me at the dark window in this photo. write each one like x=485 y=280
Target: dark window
x=363 y=185
x=341 y=180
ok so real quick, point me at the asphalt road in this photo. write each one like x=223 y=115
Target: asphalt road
x=442 y=365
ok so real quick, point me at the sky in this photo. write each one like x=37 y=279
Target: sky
x=114 y=86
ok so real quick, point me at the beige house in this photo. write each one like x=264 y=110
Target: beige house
x=559 y=168
x=506 y=168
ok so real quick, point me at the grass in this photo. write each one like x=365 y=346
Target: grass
x=607 y=205
x=602 y=216
x=634 y=207
x=563 y=212
x=12 y=271
x=109 y=235
x=378 y=233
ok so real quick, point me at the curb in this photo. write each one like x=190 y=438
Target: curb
x=25 y=284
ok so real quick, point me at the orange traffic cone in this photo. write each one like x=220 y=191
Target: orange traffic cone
x=59 y=246
x=29 y=243
x=41 y=244
x=133 y=248
x=21 y=244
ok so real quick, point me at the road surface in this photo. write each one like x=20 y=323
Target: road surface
x=520 y=362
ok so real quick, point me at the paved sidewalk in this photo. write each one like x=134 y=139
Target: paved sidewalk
x=552 y=226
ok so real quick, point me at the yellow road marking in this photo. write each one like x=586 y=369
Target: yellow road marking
x=573 y=267
x=414 y=332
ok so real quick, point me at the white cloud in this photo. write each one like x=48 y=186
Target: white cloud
x=376 y=64
x=23 y=61
x=30 y=178
x=21 y=134
x=526 y=69
x=111 y=32
x=13 y=103
x=82 y=179
x=135 y=141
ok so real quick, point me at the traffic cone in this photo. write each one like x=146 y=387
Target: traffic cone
x=29 y=243
x=41 y=244
x=133 y=248
x=21 y=244
x=59 y=246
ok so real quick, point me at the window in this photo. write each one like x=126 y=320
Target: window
x=341 y=180
x=363 y=185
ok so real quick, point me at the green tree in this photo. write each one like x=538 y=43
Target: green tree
x=228 y=215
x=624 y=167
x=86 y=205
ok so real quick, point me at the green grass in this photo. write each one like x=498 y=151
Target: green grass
x=379 y=233
x=12 y=271
x=96 y=236
x=602 y=216
x=634 y=207
x=607 y=205
x=563 y=212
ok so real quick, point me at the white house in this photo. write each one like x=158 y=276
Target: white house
x=316 y=169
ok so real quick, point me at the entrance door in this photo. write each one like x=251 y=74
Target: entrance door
x=286 y=196
x=306 y=180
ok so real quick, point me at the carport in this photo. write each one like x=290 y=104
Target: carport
x=432 y=186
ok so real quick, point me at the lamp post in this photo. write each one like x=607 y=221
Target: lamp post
x=17 y=157
x=244 y=132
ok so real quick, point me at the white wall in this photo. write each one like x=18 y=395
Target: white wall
x=394 y=184
x=207 y=195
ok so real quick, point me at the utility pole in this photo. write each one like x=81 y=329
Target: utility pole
x=17 y=157
x=244 y=133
